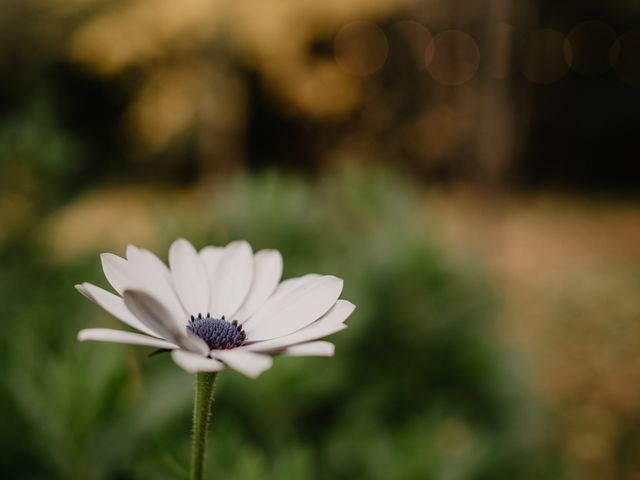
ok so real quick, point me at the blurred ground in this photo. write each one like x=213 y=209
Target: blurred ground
x=567 y=270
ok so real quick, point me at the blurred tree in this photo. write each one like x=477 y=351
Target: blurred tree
x=446 y=90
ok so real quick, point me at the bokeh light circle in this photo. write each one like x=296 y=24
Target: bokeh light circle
x=418 y=39
x=587 y=47
x=361 y=48
x=545 y=58
x=624 y=56
x=455 y=57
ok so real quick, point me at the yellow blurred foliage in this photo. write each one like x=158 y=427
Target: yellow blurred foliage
x=143 y=31
x=181 y=47
x=103 y=220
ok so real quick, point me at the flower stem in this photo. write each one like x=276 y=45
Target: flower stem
x=201 y=414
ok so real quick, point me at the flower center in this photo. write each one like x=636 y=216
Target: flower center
x=217 y=332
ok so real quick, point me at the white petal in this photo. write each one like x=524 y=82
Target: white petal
x=311 y=349
x=231 y=280
x=330 y=323
x=296 y=310
x=193 y=362
x=301 y=336
x=142 y=256
x=119 y=336
x=155 y=278
x=210 y=257
x=118 y=272
x=290 y=284
x=155 y=316
x=248 y=363
x=114 y=305
x=282 y=290
x=143 y=271
x=189 y=277
x=267 y=270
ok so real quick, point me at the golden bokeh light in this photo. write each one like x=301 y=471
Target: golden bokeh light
x=165 y=108
x=164 y=38
x=176 y=98
x=361 y=48
x=624 y=57
x=588 y=46
x=141 y=31
x=86 y=224
x=321 y=90
x=546 y=57
x=418 y=40
x=455 y=57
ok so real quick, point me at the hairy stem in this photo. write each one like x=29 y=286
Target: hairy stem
x=202 y=407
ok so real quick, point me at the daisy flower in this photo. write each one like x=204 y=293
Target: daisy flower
x=218 y=307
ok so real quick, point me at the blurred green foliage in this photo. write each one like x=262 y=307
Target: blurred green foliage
x=38 y=164
x=418 y=388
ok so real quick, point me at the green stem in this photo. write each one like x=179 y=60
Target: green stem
x=201 y=414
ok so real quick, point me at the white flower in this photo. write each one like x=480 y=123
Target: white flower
x=222 y=306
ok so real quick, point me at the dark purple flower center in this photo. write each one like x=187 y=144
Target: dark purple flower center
x=217 y=332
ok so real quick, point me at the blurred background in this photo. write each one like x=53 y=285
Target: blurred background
x=469 y=168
